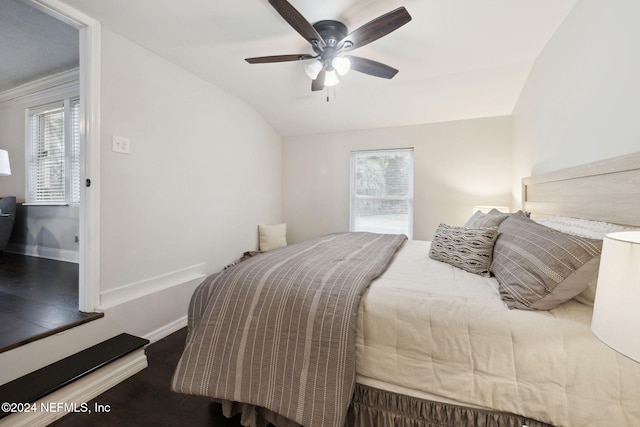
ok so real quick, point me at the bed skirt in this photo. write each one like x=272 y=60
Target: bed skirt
x=372 y=407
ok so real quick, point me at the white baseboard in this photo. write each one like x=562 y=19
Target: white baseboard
x=168 y=329
x=57 y=254
x=52 y=407
x=185 y=276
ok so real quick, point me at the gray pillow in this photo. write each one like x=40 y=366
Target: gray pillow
x=539 y=268
x=470 y=249
x=486 y=220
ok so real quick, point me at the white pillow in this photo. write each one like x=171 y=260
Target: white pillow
x=581 y=227
x=272 y=236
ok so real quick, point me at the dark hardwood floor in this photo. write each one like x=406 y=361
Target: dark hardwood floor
x=38 y=298
x=145 y=399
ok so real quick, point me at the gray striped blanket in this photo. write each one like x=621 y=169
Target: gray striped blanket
x=278 y=330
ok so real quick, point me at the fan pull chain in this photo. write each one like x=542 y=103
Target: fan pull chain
x=334 y=92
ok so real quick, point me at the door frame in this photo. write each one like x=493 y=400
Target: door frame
x=89 y=233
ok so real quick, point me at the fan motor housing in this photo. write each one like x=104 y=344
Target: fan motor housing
x=331 y=31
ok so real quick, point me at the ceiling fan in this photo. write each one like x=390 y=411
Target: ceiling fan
x=330 y=40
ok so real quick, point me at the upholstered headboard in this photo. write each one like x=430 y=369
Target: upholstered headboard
x=606 y=190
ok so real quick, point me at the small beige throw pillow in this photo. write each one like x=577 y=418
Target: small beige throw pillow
x=272 y=236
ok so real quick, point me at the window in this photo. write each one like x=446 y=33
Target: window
x=53 y=153
x=382 y=191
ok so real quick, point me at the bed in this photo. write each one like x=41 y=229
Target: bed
x=418 y=341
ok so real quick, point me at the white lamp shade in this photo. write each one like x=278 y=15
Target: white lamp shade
x=331 y=78
x=341 y=64
x=616 y=311
x=313 y=69
x=5 y=167
x=486 y=209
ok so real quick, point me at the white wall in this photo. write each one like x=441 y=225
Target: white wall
x=12 y=139
x=204 y=171
x=581 y=101
x=457 y=165
x=46 y=231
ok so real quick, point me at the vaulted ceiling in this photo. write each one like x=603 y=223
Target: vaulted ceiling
x=458 y=59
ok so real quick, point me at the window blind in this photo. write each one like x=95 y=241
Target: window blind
x=382 y=191
x=53 y=153
x=47 y=166
x=75 y=152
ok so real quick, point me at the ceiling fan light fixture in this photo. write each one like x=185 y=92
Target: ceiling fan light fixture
x=330 y=40
x=341 y=64
x=331 y=78
x=313 y=69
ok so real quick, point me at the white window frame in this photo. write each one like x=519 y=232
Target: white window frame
x=354 y=197
x=72 y=159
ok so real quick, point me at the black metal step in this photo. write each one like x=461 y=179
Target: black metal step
x=34 y=386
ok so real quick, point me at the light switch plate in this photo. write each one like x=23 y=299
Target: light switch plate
x=120 y=145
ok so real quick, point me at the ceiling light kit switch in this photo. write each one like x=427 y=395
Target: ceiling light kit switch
x=120 y=145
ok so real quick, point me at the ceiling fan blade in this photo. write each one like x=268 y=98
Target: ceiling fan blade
x=379 y=27
x=373 y=68
x=318 y=83
x=278 y=58
x=297 y=21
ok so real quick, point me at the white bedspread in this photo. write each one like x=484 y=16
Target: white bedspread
x=427 y=327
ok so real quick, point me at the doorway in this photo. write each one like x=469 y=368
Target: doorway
x=85 y=270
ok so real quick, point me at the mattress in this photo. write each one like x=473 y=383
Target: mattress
x=427 y=329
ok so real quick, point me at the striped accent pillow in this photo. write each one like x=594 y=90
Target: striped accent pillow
x=470 y=249
x=539 y=268
x=486 y=220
